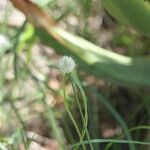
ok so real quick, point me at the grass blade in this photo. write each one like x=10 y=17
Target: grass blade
x=112 y=141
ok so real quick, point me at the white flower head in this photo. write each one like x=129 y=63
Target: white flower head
x=66 y=64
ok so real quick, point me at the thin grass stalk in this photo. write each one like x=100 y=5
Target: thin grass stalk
x=20 y=120
x=118 y=118
x=85 y=130
x=54 y=126
x=51 y=117
x=80 y=109
x=112 y=141
x=24 y=139
x=15 y=45
x=77 y=82
x=70 y=114
x=107 y=147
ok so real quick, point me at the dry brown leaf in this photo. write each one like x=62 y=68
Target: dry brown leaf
x=37 y=16
x=34 y=13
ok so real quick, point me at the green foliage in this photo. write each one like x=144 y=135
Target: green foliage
x=98 y=61
x=112 y=141
x=131 y=12
x=26 y=90
x=118 y=118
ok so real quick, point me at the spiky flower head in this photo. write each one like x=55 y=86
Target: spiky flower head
x=66 y=64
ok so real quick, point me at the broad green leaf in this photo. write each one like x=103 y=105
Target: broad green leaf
x=132 y=12
x=98 y=61
x=91 y=58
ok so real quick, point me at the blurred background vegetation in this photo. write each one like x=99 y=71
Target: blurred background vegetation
x=114 y=67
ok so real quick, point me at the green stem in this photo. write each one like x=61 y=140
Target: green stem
x=17 y=114
x=84 y=118
x=70 y=114
x=50 y=117
x=14 y=48
x=55 y=128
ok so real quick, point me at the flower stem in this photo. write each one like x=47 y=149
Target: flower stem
x=70 y=114
x=76 y=81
